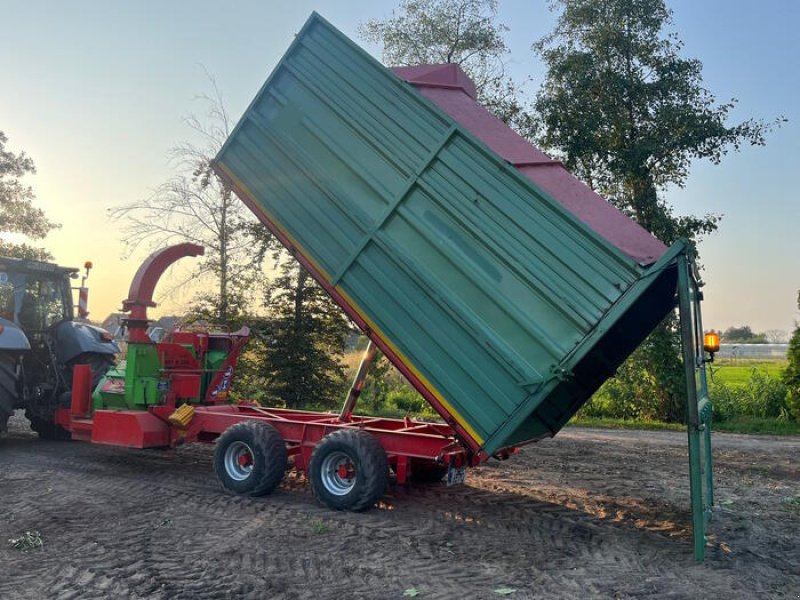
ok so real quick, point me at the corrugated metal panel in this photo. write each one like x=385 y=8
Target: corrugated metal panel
x=480 y=284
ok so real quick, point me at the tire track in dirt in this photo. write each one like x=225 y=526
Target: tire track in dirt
x=111 y=483
x=142 y=524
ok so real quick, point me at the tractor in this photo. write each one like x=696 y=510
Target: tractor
x=41 y=341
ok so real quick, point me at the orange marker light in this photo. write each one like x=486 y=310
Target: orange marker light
x=88 y=264
x=711 y=342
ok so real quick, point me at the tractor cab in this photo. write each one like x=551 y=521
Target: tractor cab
x=41 y=341
x=35 y=296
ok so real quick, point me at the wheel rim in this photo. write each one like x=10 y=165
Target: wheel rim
x=238 y=461
x=338 y=473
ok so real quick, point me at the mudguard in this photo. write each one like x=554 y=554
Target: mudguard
x=74 y=339
x=12 y=337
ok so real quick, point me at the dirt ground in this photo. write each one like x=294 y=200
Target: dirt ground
x=589 y=514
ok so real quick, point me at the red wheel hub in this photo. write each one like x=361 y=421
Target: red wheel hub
x=245 y=459
x=347 y=471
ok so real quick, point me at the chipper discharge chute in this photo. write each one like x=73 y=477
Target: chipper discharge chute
x=502 y=287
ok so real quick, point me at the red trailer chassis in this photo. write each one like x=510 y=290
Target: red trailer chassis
x=407 y=442
x=347 y=460
x=347 y=457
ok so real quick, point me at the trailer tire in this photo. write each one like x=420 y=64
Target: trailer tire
x=250 y=458
x=348 y=470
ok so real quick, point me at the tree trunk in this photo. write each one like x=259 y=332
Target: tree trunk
x=298 y=337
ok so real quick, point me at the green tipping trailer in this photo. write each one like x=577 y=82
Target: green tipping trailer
x=504 y=309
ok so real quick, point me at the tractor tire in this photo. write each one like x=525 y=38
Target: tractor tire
x=98 y=363
x=250 y=458
x=47 y=429
x=349 y=470
x=9 y=388
x=43 y=423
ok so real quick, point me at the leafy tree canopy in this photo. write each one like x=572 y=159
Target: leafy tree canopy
x=743 y=335
x=464 y=32
x=628 y=113
x=791 y=376
x=18 y=215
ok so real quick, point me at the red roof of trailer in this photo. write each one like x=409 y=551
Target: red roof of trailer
x=454 y=92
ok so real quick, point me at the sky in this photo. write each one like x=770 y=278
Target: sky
x=96 y=93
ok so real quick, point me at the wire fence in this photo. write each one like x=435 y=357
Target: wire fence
x=753 y=351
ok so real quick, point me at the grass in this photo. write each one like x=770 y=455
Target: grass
x=752 y=425
x=363 y=409
x=321 y=527
x=739 y=425
x=30 y=540
x=608 y=423
x=739 y=373
x=757 y=425
x=792 y=503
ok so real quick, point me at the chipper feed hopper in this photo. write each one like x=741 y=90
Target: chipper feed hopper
x=503 y=288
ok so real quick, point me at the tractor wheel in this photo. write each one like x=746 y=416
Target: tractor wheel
x=9 y=386
x=98 y=363
x=47 y=429
x=42 y=420
x=250 y=458
x=348 y=470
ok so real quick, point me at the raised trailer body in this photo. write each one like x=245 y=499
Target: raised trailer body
x=498 y=284
x=502 y=307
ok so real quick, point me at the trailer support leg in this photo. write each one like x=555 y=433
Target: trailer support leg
x=698 y=405
x=358 y=382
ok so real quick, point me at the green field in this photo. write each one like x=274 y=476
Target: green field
x=740 y=372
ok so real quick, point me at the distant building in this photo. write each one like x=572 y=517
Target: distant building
x=113 y=324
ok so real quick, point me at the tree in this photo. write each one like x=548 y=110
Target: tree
x=791 y=375
x=18 y=215
x=742 y=335
x=776 y=336
x=628 y=114
x=195 y=205
x=285 y=359
x=464 y=32
x=303 y=339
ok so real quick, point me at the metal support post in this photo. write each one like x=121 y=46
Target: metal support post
x=358 y=382
x=696 y=423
